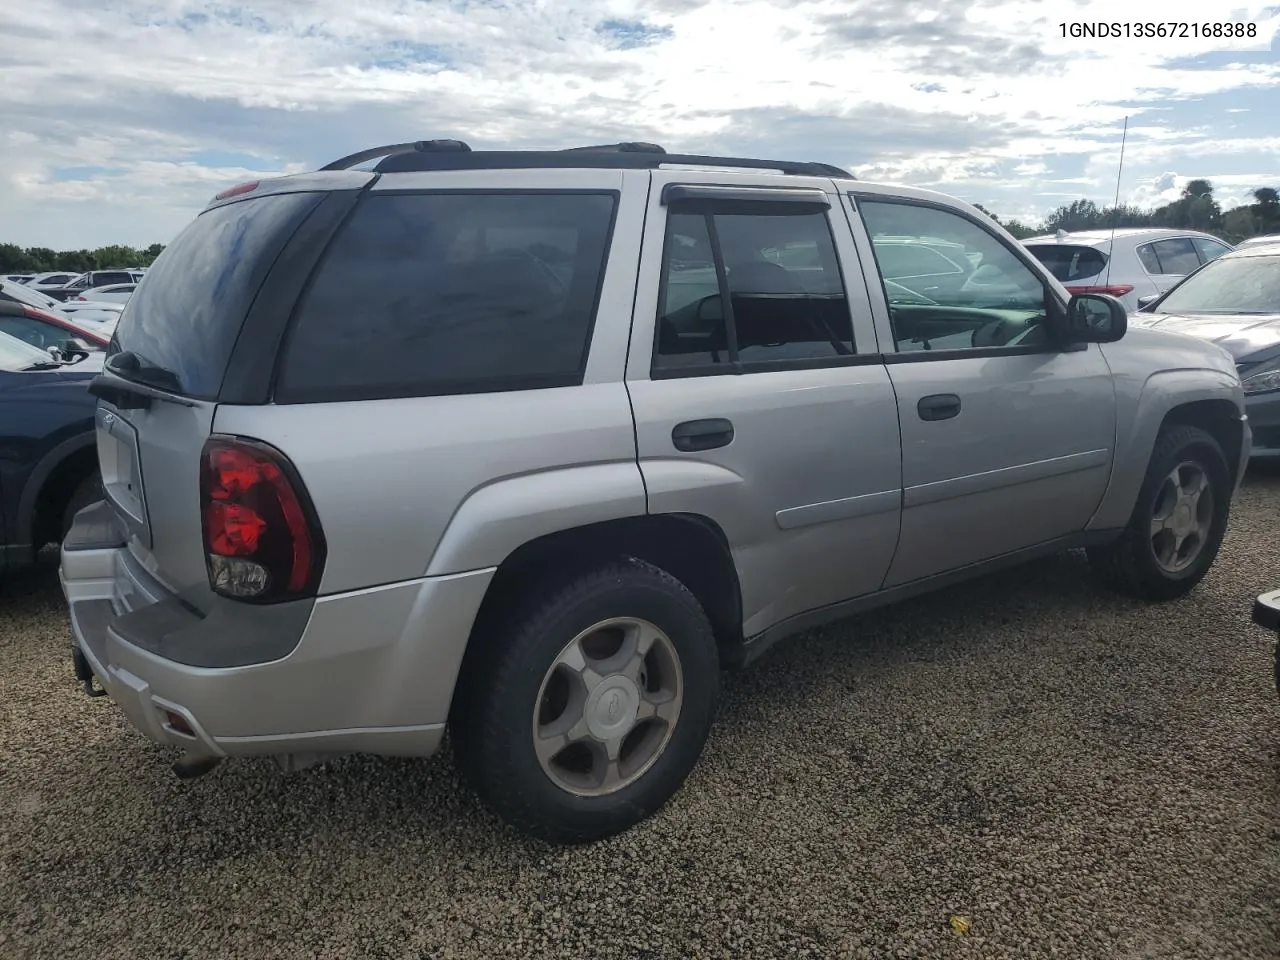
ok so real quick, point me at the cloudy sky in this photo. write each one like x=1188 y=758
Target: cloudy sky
x=120 y=118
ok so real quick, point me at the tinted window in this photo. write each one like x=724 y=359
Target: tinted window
x=783 y=289
x=445 y=293
x=1209 y=249
x=185 y=316
x=1001 y=303
x=1177 y=256
x=1243 y=285
x=1068 y=263
x=1150 y=262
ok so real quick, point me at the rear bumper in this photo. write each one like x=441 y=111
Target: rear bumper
x=373 y=671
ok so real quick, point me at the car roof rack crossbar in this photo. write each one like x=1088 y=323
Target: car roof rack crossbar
x=398 y=149
x=427 y=155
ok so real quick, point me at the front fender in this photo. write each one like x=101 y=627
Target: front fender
x=498 y=518
x=1140 y=414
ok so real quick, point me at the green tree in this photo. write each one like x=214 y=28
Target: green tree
x=1078 y=215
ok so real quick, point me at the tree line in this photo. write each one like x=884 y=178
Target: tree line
x=1195 y=209
x=16 y=259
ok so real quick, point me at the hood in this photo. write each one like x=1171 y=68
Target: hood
x=1241 y=335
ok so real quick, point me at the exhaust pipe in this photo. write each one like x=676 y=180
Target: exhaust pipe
x=189 y=767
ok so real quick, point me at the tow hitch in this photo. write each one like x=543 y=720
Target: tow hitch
x=84 y=674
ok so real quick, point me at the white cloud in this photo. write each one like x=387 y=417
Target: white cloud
x=120 y=127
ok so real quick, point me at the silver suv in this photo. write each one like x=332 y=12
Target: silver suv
x=531 y=445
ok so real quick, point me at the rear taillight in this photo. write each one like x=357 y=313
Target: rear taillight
x=1112 y=289
x=262 y=540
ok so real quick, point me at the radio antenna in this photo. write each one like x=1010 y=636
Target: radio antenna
x=1115 y=207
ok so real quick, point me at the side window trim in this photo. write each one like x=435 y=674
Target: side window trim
x=876 y=289
x=707 y=200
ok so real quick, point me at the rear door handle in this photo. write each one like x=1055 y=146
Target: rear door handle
x=938 y=406
x=693 y=435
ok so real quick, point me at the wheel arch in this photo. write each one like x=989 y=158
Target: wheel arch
x=50 y=485
x=1208 y=399
x=690 y=547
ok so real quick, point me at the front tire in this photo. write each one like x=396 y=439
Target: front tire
x=1177 y=523
x=589 y=703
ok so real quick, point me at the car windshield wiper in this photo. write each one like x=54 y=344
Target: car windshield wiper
x=43 y=365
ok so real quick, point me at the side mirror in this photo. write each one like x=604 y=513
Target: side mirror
x=55 y=353
x=1148 y=300
x=1095 y=318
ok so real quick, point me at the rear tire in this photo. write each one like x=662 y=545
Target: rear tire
x=587 y=703
x=87 y=491
x=1172 y=537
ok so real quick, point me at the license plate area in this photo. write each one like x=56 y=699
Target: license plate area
x=120 y=463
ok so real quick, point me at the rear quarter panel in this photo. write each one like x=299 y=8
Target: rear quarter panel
x=1155 y=372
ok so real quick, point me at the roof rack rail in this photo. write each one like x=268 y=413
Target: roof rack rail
x=632 y=146
x=425 y=155
x=398 y=149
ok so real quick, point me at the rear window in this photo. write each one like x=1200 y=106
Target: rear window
x=440 y=293
x=1068 y=263
x=186 y=313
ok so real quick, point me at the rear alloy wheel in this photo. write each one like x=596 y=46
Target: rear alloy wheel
x=608 y=707
x=1178 y=521
x=584 y=709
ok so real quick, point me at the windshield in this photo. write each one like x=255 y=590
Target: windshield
x=1232 y=286
x=16 y=355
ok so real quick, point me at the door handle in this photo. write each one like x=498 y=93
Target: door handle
x=938 y=406
x=695 y=435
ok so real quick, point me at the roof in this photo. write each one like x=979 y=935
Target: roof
x=1094 y=237
x=457 y=155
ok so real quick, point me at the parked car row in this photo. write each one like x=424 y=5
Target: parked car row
x=61 y=285
x=101 y=314
x=590 y=442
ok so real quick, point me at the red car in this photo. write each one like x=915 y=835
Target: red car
x=43 y=329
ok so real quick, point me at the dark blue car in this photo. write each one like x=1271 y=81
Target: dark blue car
x=48 y=452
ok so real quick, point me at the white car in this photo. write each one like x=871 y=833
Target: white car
x=111 y=293
x=99 y=314
x=1142 y=263
x=51 y=280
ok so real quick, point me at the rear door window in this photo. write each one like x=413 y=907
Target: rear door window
x=783 y=289
x=1209 y=249
x=1069 y=263
x=1176 y=255
x=185 y=317
x=443 y=293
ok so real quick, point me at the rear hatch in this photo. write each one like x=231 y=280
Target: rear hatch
x=165 y=370
x=1075 y=266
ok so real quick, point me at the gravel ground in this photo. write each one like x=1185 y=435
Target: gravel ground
x=1076 y=775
